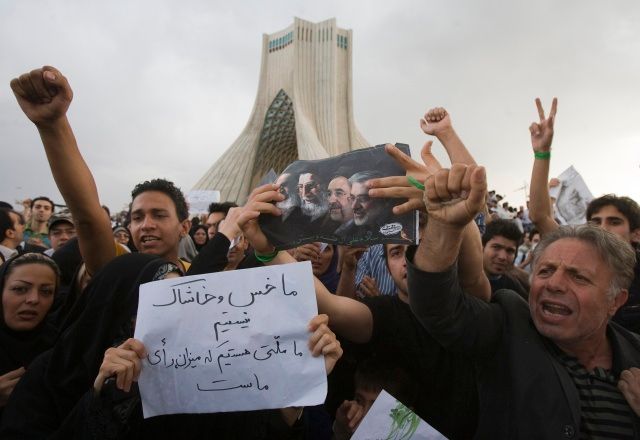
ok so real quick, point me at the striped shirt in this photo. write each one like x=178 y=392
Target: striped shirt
x=372 y=263
x=604 y=412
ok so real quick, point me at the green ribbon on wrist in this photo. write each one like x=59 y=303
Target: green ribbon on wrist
x=267 y=257
x=542 y=154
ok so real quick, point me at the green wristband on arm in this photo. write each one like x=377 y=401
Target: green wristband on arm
x=542 y=154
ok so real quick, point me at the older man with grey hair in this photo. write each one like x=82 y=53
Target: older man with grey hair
x=554 y=368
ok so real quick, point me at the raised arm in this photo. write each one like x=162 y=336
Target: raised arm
x=470 y=269
x=540 y=207
x=457 y=321
x=437 y=122
x=44 y=96
x=348 y=317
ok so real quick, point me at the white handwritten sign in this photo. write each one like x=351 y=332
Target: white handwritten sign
x=389 y=419
x=229 y=341
x=199 y=200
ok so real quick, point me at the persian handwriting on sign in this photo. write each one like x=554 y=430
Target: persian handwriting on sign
x=241 y=335
x=187 y=292
x=187 y=296
x=187 y=359
x=249 y=385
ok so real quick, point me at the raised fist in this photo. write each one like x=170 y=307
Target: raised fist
x=43 y=94
x=455 y=196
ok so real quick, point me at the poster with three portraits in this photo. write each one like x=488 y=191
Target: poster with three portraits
x=327 y=201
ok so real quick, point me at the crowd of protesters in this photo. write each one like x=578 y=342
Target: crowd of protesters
x=499 y=324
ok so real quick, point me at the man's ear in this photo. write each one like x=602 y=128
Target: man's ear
x=635 y=236
x=184 y=227
x=9 y=234
x=618 y=301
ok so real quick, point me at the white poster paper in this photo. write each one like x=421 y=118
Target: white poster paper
x=229 y=341
x=388 y=419
x=573 y=198
x=200 y=199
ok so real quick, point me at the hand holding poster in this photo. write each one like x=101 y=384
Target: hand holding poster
x=388 y=419
x=229 y=341
x=327 y=201
x=573 y=197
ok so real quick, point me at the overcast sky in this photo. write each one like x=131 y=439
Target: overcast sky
x=162 y=88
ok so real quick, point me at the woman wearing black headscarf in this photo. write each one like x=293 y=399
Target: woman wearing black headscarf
x=61 y=376
x=199 y=235
x=324 y=262
x=28 y=283
x=72 y=382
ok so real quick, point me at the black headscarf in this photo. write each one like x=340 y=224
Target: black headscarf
x=19 y=348
x=192 y=233
x=109 y=302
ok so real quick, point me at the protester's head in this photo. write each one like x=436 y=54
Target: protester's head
x=29 y=283
x=500 y=242
x=121 y=235
x=534 y=238
x=323 y=263
x=579 y=279
x=618 y=215
x=313 y=198
x=158 y=218
x=61 y=229
x=11 y=228
x=237 y=253
x=379 y=373
x=394 y=255
x=41 y=209
x=366 y=210
x=339 y=190
x=199 y=235
x=217 y=213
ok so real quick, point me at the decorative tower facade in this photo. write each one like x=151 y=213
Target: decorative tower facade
x=303 y=109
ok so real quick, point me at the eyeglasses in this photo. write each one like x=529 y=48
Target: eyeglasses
x=338 y=194
x=361 y=198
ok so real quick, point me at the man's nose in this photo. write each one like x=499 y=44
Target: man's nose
x=148 y=222
x=556 y=282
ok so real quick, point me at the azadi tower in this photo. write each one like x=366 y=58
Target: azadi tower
x=303 y=110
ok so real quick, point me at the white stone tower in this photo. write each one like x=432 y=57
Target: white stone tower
x=303 y=109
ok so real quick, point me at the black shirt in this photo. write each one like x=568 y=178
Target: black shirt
x=447 y=396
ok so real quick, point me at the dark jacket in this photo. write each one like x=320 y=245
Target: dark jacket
x=524 y=392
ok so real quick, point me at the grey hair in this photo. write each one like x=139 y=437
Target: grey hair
x=615 y=252
x=363 y=176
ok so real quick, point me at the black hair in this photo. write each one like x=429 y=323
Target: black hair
x=223 y=207
x=6 y=222
x=627 y=206
x=32 y=258
x=166 y=187
x=377 y=373
x=45 y=198
x=503 y=228
x=5 y=205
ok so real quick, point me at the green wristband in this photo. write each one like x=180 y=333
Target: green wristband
x=266 y=258
x=542 y=154
x=413 y=181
